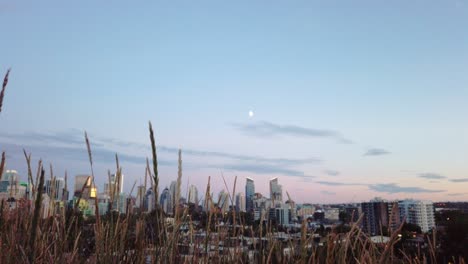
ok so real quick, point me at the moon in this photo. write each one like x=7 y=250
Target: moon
x=251 y=113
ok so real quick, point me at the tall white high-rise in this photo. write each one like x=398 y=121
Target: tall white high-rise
x=240 y=202
x=172 y=191
x=281 y=214
x=122 y=204
x=418 y=212
x=192 y=195
x=276 y=191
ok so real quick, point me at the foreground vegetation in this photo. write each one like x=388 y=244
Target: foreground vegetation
x=67 y=237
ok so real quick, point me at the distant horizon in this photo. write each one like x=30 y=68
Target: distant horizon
x=341 y=101
x=100 y=188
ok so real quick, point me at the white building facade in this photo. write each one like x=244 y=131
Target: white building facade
x=240 y=202
x=192 y=195
x=418 y=212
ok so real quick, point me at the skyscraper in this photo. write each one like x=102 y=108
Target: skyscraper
x=260 y=206
x=192 y=195
x=394 y=218
x=281 y=214
x=276 y=192
x=292 y=209
x=240 y=202
x=165 y=201
x=149 y=202
x=122 y=203
x=375 y=216
x=417 y=212
x=173 y=190
x=249 y=194
x=55 y=188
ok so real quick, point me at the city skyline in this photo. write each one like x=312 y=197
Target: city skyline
x=340 y=106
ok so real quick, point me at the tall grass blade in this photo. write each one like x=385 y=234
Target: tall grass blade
x=2 y=165
x=35 y=219
x=28 y=163
x=2 y=93
x=155 y=162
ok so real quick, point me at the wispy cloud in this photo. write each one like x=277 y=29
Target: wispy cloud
x=328 y=193
x=73 y=138
x=307 y=178
x=103 y=155
x=217 y=154
x=66 y=137
x=256 y=159
x=332 y=172
x=456 y=194
x=265 y=169
x=337 y=183
x=436 y=176
x=394 y=188
x=264 y=128
x=432 y=176
x=78 y=154
x=459 y=180
x=376 y=152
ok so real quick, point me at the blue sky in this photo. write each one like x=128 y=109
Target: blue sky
x=351 y=99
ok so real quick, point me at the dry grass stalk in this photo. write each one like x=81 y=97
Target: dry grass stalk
x=96 y=201
x=116 y=185
x=160 y=230
x=179 y=182
x=38 y=173
x=56 y=240
x=30 y=178
x=85 y=185
x=35 y=219
x=52 y=191
x=208 y=205
x=2 y=93
x=110 y=190
x=233 y=202
x=65 y=189
x=155 y=162
x=88 y=146
x=148 y=173
x=2 y=164
x=117 y=164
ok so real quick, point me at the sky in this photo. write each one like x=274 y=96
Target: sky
x=350 y=99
